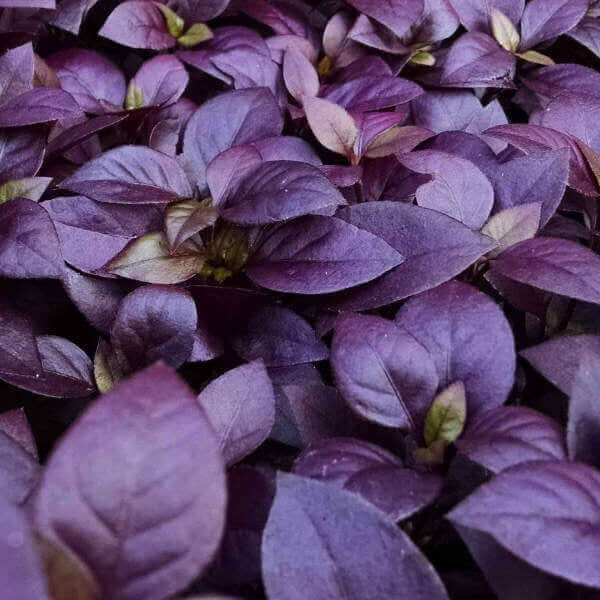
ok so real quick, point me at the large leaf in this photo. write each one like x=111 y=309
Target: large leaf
x=240 y=406
x=554 y=501
x=436 y=247
x=458 y=189
x=138 y=24
x=40 y=105
x=155 y=323
x=91 y=233
x=316 y=255
x=316 y=528
x=29 y=246
x=278 y=191
x=508 y=435
x=229 y=120
x=447 y=321
x=553 y=265
x=16 y=72
x=130 y=175
x=382 y=372
x=118 y=497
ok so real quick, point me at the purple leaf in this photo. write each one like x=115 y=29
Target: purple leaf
x=397 y=15
x=301 y=78
x=160 y=442
x=162 y=80
x=229 y=120
x=16 y=72
x=458 y=189
x=317 y=255
x=559 y=360
x=549 y=83
x=21 y=153
x=285 y=147
x=584 y=413
x=508 y=435
x=278 y=191
x=563 y=512
x=332 y=125
x=92 y=233
x=40 y=105
x=130 y=175
x=476 y=60
x=436 y=247
x=155 y=323
x=587 y=33
x=546 y=19
x=553 y=265
x=534 y=138
x=445 y=110
x=512 y=225
x=315 y=528
x=19 y=470
x=15 y=425
x=278 y=337
x=368 y=93
x=138 y=24
x=336 y=460
x=382 y=372
x=70 y=14
x=185 y=219
x=240 y=406
x=93 y=80
x=205 y=10
x=21 y=575
x=446 y=321
x=29 y=246
x=475 y=15
x=540 y=177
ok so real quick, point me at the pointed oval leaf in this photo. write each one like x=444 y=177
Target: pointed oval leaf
x=315 y=528
x=446 y=416
x=16 y=72
x=301 y=78
x=397 y=15
x=382 y=372
x=447 y=322
x=504 y=31
x=40 y=105
x=508 y=435
x=161 y=80
x=513 y=225
x=19 y=470
x=240 y=406
x=118 y=498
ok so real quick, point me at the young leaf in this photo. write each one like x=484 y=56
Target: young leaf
x=240 y=406
x=446 y=416
x=332 y=125
x=299 y=75
x=185 y=219
x=32 y=188
x=317 y=528
x=513 y=225
x=382 y=372
x=196 y=34
x=160 y=441
x=160 y=81
x=505 y=33
x=175 y=23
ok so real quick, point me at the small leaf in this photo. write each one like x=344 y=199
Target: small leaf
x=109 y=367
x=446 y=417
x=135 y=96
x=197 y=33
x=32 y=188
x=187 y=218
x=148 y=259
x=332 y=125
x=513 y=225
x=535 y=57
x=299 y=75
x=425 y=59
x=174 y=22
x=505 y=33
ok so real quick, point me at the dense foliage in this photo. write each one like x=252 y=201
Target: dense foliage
x=299 y=300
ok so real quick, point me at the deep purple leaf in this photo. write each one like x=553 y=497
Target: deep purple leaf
x=553 y=265
x=138 y=24
x=436 y=248
x=19 y=470
x=315 y=528
x=21 y=153
x=92 y=79
x=16 y=72
x=397 y=15
x=29 y=246
x=317 y=255
x=382 y=372
x=278 y=191
x=71 y=13
x=508 y=435
x=162 y=80
x=446 y=321
x=229 y=120
x=475 y=15
x=240 y=406
x=563 y=511
x=15 y=425
x=160 y=442
x=301 y=78
x=155 y=323
x=40 y=105
x=130 y=175
x=279 y=337
x=587 y=33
